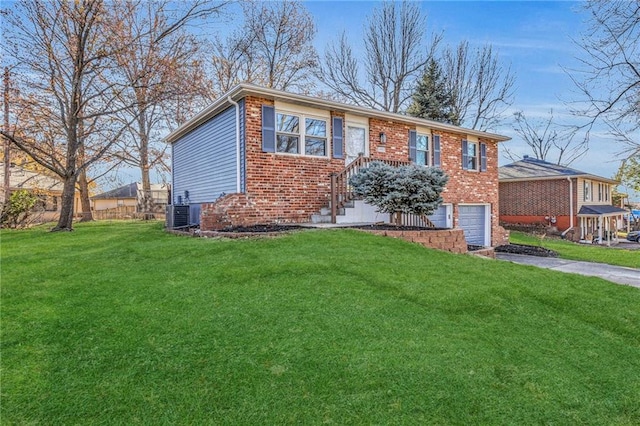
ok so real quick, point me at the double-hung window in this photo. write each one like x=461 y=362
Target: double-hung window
x=422 y=150
x=587 y=190
x=287 y=133
x=315 y=141
x=292 y=138
x=474 y=156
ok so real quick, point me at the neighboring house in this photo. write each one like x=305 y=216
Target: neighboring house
x=131 y=196
x=537 y=192
x=48 y=190
x=260 y=155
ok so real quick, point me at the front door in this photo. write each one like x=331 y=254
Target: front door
x=356 y=143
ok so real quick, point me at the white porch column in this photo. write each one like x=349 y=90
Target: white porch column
x=600 y=229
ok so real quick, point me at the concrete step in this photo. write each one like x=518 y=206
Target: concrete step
x=320 y=218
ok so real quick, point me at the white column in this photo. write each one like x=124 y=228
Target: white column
x=600 y=229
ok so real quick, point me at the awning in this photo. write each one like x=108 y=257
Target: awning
x=601 y=210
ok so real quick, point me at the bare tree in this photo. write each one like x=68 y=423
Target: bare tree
x=273 y=49
x=395 y=53
x=62 y=50
x=481 y=87
x=156 y=57
x=547 y=140
x=608 y=80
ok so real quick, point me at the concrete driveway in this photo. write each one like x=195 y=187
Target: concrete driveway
x=616 y=274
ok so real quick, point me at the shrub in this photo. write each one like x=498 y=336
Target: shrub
x=16 y=212
x=407 y=189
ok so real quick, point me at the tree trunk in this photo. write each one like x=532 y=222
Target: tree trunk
x=65 y=222
x=147 y=200
x=83 y=186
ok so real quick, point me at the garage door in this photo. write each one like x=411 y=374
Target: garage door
x=473 y=221
x=439 y=217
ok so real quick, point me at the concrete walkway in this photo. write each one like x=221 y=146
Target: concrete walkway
x=616 y=274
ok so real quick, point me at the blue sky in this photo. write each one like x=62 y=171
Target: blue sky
x=534 y=37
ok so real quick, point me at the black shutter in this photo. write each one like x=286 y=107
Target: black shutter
x=465 y=155
x=412 y=145
x=436 y=150
x=268 y=128
x=336 y=126
x=483 y=157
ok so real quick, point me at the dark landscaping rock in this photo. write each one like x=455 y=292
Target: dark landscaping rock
x=525 y=249
x=253 y=229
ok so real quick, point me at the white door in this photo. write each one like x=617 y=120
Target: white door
x=473 y=221
x=356 y=143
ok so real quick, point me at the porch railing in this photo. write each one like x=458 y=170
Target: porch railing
x=341 y=191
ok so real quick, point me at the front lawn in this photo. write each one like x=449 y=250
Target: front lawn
x=125 y=324
x=587 y=252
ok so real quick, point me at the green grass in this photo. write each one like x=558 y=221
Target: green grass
x=590 y=253
x=124 y=324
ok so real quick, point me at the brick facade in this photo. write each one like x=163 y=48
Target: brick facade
x=538 y=202
x=284 y=188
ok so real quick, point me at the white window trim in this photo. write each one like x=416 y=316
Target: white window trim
x=587 y=190
x=477 y=156
x=429 y=151
x=302 y=116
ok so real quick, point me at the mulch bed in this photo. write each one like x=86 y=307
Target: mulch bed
x=256 y=229
x=528 y=250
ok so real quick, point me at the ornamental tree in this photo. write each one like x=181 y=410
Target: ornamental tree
x=407 y=189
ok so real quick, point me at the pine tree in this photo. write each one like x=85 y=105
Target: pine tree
x=430 y=99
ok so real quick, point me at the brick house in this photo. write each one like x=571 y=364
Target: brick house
x=260 y=155
x=536 y=192
x=47 y=188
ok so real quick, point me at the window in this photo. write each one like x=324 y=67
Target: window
x=287 y=133
x=315 y=142
x=600 y=192
x=587 y=190
x=311 y=139
x=422 y=150
x=472 y=156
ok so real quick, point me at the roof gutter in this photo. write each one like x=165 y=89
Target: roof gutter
x=234 y=103
x=245 y=89
x=570 y=208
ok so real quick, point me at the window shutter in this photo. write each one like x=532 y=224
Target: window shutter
x=268 y=128
x=436 y=150
x=465 y=157
x=483 y=157
x=336 y=126
x=413 y=136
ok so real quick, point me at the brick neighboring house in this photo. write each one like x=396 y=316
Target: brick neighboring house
x=47 y=188
x=536 y=192
x=260 y=155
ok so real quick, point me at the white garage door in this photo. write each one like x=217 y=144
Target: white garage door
x=473 y=221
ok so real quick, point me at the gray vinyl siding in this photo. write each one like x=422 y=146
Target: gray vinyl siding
x=204 y=160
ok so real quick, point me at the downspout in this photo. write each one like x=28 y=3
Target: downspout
x=232 y=102
x=564 y=233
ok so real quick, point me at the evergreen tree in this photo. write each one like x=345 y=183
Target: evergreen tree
x=430 y=99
